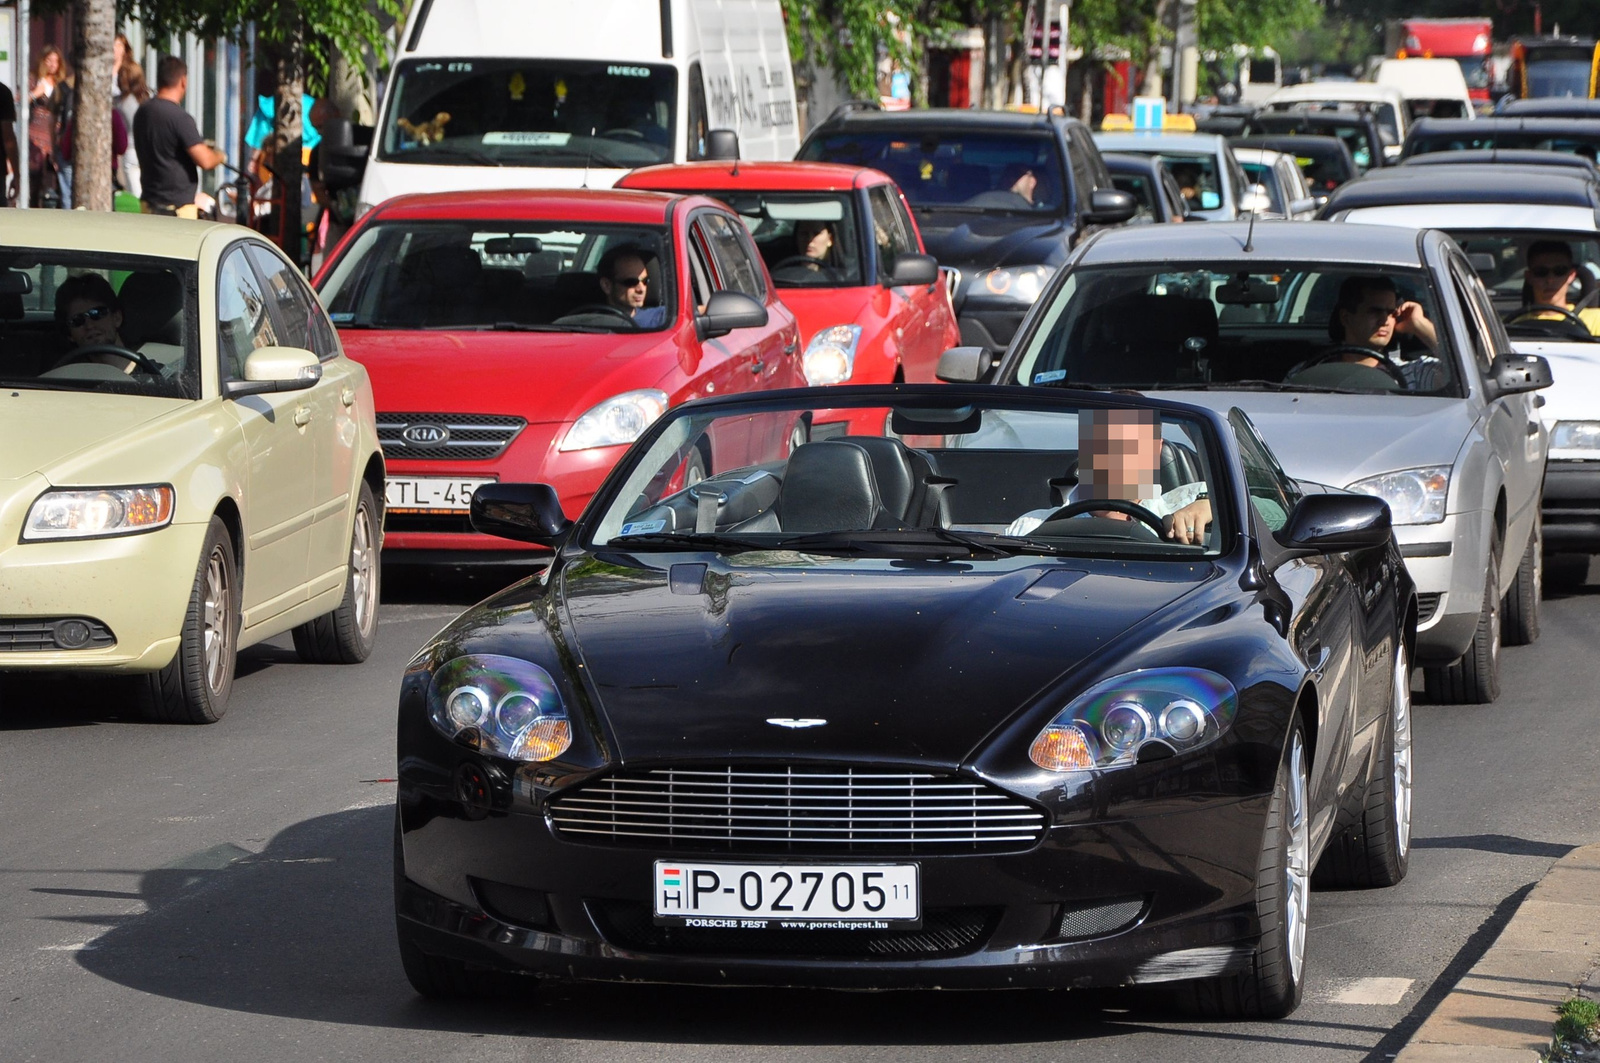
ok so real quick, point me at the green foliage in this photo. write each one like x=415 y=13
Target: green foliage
x=1577 y=1019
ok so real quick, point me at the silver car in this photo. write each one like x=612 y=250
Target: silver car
x=1446 y=429
x=1203 y=163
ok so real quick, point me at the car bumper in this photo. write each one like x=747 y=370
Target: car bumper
x=1447 y=563
x=134 y=586
x=1572 y=506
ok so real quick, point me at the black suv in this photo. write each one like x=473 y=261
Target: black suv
x=1001 y=198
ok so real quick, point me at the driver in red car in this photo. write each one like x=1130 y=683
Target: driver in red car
x=625 y=280
x=1120 y=454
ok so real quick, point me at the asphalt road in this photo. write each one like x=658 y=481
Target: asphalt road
x=223 y=893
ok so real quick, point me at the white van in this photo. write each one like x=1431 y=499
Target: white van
x=1433 y=88
x=551 y=94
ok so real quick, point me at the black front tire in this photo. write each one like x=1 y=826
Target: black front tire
x=347 y=634
x=1521 y=605
x=195 y=684
x=1473 y=679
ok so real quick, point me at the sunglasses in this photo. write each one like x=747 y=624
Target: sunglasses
x=1549 y=271
x=1381 y=312
x=94 y=313
x=642 y=280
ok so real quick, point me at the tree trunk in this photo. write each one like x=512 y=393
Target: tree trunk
x=287 y=131
x=96 y=22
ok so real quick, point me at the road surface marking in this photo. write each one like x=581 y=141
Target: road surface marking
x=1379 y=992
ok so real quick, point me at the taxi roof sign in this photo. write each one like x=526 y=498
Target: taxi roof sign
x=1116 y=123
x=1149 y=112
x=1179 y=123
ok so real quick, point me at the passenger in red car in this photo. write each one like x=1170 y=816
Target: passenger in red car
x=625 y=279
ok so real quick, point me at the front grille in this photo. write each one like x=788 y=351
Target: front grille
x=814 y=810
x=944 y=932
x=1427 y=605
x=472 y=436
x=54 y=633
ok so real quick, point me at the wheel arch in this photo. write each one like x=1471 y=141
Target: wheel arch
x=228 y=512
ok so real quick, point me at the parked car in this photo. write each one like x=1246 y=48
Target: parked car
x=1451 y=437
x=1503 y=157
x=498 y=349
x=1432 y=88
x=871 y=304
x=1384 y=103
x=1202 y=163
x=1278 y=175
x=1580 y=136
x=1359 y=132
x=188 y=461
x=1325 y=162
x=1147 y=179
x=1000 y=198
x=1093 y=755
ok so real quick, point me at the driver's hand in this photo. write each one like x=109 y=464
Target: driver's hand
x=1189 y=524
x=1409 y=317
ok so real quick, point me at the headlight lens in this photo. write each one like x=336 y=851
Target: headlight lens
x=618 y=420
x=830 y=357
x=1106 y=727
x=1575 y=439
x=500 y=705
x=1415 y=496
x=98 y=512
x=1021 y=283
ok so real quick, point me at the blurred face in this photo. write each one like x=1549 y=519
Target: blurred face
x=1371 y=323
x=1549 y=275
x=1119 y=454
x=119 y=54
x=52 y=64
x=91 y=322
x=813 y=238
x=626 y=287
x=1026 y=185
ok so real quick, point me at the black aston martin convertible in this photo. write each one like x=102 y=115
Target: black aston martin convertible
x=1038 y=687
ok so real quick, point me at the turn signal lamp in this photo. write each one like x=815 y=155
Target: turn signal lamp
x=1062 y=749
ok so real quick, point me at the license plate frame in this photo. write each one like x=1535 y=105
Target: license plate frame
x=444 y=494
x=725 y=902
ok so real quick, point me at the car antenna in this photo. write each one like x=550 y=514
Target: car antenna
x=587 y=155
x=1250 y=234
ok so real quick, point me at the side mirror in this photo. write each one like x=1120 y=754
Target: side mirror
x=726 y=311
x=964 y=365
x=1514 y=373
x=1309 y=204
x=1334 y=523
x=913 y=271
x=272 y=369
x=722 y=145
x=343 y=159
x=1110 y=206
x=529 y=513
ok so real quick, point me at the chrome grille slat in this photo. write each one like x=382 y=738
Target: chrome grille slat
x=811 y=810
x=473 y=436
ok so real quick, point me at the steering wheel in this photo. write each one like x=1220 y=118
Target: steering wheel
x=600 y=308
x=1119 y=505
x=145 y=363
x=1533 y=314
x=802 y=260
x=1338 y=353
x=630 y=134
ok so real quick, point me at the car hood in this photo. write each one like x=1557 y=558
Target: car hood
x=40 y=429
x=906 y=660
x=1575 y=368
x=972 y=242
x=543 y=376
x=818 y=308
x=1339 y=439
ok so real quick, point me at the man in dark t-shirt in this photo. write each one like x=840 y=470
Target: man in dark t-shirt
x=169 y=145
x=8 y=143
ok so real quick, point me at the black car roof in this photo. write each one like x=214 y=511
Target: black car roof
x=1298 y=143
x=1481 y=127
x=1519 y=157
x=1125 y=162
x=1545 y=186
x=934 y=119
x=1550 y=107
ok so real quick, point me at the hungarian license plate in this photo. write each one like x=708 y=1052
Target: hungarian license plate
x=422 y=494
x=799 y=896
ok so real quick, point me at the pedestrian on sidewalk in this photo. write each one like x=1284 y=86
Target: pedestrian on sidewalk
x=170 y=149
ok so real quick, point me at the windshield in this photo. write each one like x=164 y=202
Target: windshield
x=1501 y=260
x=1384 y=113
x=952 y=478
x=1475 y=69
x=808 y=239
x=1276 y=326
x=546 y=275
x=1573 y=140
x=78 y=320
x=530 y=112
x=1261 y=174
x=980 y=171
x=1558 y=77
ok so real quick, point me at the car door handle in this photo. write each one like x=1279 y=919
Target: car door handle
x=1319 y=659
x=756 y=367
x=302 y=416
x=348 y=396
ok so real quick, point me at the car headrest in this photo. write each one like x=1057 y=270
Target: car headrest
x=828 y=486
x=892 y=468
x=1142 y=339
x=152 y=308
x=454 y=267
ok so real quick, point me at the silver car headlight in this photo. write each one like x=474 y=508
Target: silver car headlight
x=830 y=357
x=1020 y=283
x=1415 y=496
x=1575 y=439
x=1140 y=715
x=98 y=512
x=618 y=420
x=500 y=705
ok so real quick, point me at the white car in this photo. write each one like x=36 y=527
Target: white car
x=1278 y=176
x=1433 y=88
x=1383 y=102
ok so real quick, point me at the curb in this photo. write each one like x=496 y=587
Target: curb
x=1503 y=1010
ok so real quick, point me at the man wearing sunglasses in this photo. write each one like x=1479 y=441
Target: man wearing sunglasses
x=625 y=280
x=91 y=314
x=1368 y=319
x=1548 y=280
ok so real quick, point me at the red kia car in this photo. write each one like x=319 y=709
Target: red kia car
x=531 y=335
x=847 y=258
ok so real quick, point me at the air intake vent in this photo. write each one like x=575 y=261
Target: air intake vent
x=1427 y=605
x=812 y=810
x=54 y=633
x=1100 y=920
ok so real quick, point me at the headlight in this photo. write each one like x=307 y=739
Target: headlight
x=830 y=357
x=1575 y=439
x=500 y=705
x=1163 y=710
x=1021 y=283
x=98 y=512
x=1415 y=496
x=620 y=419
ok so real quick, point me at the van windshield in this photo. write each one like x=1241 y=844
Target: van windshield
x=530 y=112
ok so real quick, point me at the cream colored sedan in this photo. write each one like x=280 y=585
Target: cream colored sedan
x=188 y=461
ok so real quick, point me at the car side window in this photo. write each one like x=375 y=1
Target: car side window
x=699 y=121
x=292 y=303
x=1080 y=153
x=888 y=228
x=703 y=280
x=243 y=323
x=1272 y=492
x=1473 y=315
x=734 y=264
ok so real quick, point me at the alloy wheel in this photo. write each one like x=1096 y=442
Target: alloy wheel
x=363 y=562
x=1401 y=782
x=217 y=620
x=1297 y=863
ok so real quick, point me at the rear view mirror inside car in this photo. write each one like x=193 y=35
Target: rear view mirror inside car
x=1247 y=291
x=816 y=210
x=1483 y=263
x=513 y=245
x=15 y=282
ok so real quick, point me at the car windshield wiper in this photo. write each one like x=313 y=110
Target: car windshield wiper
x=688 y=541
x=961 y=208
x=896 y=540
x=1258 y=385
x=452 y=151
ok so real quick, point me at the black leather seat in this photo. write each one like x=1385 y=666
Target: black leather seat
x=908 y=484
x=827 y=486
x=152 y=309
x=1141 y=339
